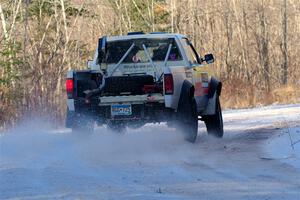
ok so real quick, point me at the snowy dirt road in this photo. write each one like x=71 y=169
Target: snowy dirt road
x=154 y=162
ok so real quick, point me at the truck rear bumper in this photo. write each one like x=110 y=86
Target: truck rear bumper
x=132 y=99
x=148 y=112
x=145 y=108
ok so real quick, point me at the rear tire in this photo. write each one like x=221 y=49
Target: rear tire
x=188 y=119
x=214 y=123
x=136 y=125
x=117 y=127
x=83 y=126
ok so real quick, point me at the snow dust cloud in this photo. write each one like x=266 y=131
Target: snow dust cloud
x=35 y=143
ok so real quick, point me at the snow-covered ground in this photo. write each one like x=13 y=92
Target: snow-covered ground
x=285 y=147
x=254 y=160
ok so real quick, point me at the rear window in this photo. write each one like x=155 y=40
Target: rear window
x=156 y=48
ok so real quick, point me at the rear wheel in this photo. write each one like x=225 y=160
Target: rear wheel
x=214 y=123
x=116 y=127
x=83 y=126
x=136 y=125
x=188 y=119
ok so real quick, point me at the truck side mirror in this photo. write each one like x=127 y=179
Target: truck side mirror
x=89 y=64
x=209 y=58
x=101 y=49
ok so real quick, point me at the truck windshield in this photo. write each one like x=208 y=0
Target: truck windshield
x=137 y=50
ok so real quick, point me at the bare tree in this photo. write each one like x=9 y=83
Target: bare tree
x=284 y=48
x=252 y=41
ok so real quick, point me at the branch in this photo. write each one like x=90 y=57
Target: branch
x=3 y=24
x=14 y=19
x=140 y=12
x=64 y=18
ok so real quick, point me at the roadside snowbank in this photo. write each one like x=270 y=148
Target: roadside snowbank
x=285 y=147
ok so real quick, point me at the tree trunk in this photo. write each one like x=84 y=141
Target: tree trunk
x=284 y=45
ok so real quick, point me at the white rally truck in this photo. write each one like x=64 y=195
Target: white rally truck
x=145 y=78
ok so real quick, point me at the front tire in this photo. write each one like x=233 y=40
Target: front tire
x=214 y=123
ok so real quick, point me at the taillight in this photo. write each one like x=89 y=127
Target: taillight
x=169 y=84
x=70 y=88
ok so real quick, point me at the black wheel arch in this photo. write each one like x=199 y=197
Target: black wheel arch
x=187 y=90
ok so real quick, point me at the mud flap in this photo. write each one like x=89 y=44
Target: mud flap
x=213 y=94
x=71 y=104
x=211 y=106
x=70 y=115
